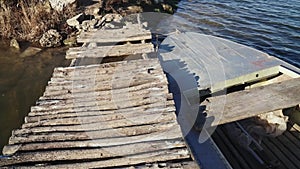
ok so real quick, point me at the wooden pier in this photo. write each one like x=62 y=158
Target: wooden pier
x=112 y=108
x=110 y=115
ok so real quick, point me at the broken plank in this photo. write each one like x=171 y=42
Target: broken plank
x=142 y=158
x=252 y=102
x=96 y=153
x=171 y=133
x=94 y=134
x=139 y=120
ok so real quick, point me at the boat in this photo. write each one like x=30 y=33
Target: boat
x=217 y=85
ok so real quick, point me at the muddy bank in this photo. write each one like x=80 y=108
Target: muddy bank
x=44 y=23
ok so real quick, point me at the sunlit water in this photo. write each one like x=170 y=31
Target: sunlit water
x=22 y=81
x=270 y=26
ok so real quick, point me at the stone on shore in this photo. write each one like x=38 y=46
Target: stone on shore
x=76 y=20
x=59 y=5
x=14 y=43
x=51 y=39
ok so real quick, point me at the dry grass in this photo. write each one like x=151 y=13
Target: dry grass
x=29 y=19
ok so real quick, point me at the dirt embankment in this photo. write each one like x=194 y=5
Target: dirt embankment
x=28 y=20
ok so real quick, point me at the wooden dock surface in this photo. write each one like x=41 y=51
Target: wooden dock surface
x=111 y=115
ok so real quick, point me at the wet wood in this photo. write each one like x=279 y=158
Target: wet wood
x=235 y=106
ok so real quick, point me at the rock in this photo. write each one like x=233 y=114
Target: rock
x=76 y=20
x=89 y=24
x=71 y=40
x=168 y=8
x=113 y=17
x=30 y=51
x=59 y=5
x=134 y=9
x=109 y=26
x=51 y=39
x=14 y=43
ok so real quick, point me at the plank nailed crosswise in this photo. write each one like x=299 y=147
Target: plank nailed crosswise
x=132 y=33
x=80 y=124
x=252 y=102
x=109 y=51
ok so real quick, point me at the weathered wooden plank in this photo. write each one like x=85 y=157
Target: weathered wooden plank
x=172 y=133
x=100 y=105
x=149 y=157
x=109 y=51
x=97 y=153
x=70 y=93
x=70 y=96
x=252 y=102
x=48 y=115
x=139 y=120
x=113 y=86
x=92 y=134
x=113 y=98
x=94 y=86
x=115 y=35
x=92 y=119
x=90 y=110
x=126 y=65
x=110 y=73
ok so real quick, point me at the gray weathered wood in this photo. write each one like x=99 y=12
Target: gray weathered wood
x=252 y=102
x=135 y=33
x=99 y=118
x=149 y=157
x=93 y=134
x=170 y=133
x=215 y=60
x=109 y=51
x=97 y=153
x=92 y=110
x=50 y=114
x=139 y=120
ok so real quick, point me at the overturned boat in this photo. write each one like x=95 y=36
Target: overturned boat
x=238 y=107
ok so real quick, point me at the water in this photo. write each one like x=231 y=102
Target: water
x=22 y=81
x=270 y=26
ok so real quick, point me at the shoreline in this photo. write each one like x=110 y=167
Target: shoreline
x=45 y=25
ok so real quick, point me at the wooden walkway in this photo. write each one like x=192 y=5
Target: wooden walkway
x=111 y=115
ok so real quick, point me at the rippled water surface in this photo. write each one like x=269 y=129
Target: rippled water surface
x=269 y=26
x=22 y=81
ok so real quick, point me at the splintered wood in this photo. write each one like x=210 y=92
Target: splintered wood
x=251 y=102
x=97 y=116
x=126 y=41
